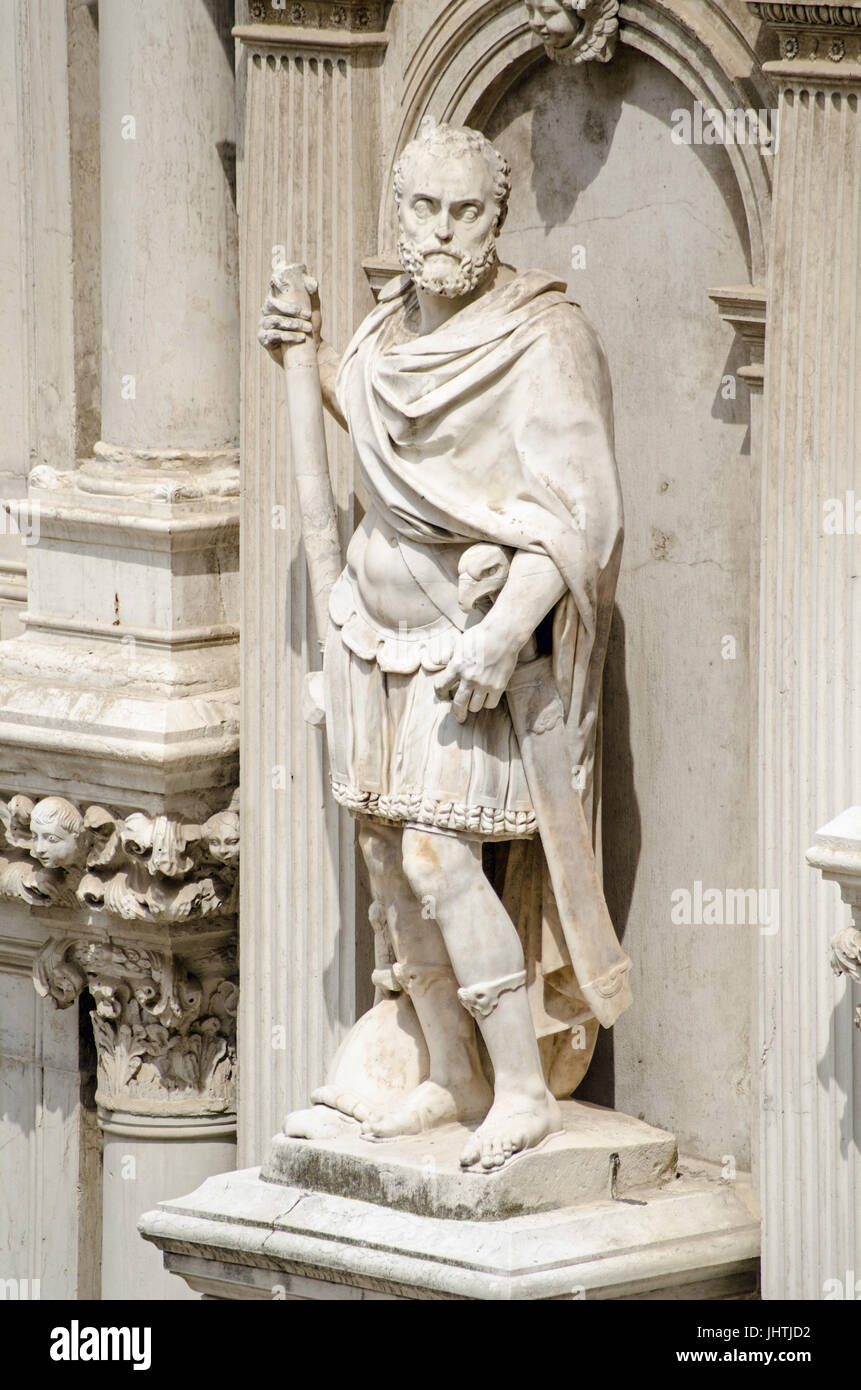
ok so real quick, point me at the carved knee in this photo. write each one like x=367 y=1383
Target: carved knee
x=427 y=865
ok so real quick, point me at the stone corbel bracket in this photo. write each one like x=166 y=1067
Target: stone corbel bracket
x=837 y=854
x=744 y=308
x=591 y=28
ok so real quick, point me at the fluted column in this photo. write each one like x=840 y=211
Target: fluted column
x=810 y=748
x=119 y=703
x=169 y=301
x=310 y=190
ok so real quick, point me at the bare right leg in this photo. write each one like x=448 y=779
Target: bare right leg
x=456 y=1088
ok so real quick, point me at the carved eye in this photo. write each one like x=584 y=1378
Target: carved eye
x=469 y=214
x=421 y=207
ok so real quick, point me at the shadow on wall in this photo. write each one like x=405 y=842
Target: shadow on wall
x=590 y=131
x=835 y=1068
x=579 y=113
x=221 y=12
x=621 y=834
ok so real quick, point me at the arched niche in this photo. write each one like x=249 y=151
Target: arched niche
x=476 y=50
x=661 y=224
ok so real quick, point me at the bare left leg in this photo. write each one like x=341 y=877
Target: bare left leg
x=484 y=948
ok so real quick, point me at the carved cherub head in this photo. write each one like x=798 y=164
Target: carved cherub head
x=60 y=836
x=451 y=188
x=220 y=835
x=555 y=21
x=575 y=31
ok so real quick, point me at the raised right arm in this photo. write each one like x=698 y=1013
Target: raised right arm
x=292 y=312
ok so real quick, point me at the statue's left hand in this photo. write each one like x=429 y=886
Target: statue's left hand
x=481 y=666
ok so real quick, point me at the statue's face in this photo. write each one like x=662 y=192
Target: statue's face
x=552 y=21
x=53 y=847
x=447 y=217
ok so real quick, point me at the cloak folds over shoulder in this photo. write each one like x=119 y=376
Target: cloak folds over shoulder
x=497 y=427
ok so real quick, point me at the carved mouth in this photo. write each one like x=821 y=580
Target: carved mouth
x=560 y=41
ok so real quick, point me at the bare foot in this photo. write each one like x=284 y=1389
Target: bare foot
x=426 y=1107
x=516 y=1122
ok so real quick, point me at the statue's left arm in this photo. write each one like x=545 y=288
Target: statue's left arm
x=485 y=657
x=564 y=435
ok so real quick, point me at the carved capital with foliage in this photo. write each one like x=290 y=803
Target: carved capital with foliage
x=164 y=1017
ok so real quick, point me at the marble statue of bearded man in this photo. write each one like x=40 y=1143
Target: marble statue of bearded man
x=466 y=642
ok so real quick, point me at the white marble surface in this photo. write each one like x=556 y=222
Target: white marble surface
x=237 y=1237
x=597 y=1151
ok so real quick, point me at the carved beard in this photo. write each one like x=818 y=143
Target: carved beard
x=459 y=281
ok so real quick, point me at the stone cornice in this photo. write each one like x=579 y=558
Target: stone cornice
x=819 y=44
x=291 y=38
x=338 y=16
x=783 y=13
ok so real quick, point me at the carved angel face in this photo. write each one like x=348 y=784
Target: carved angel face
x=555 y=23
x=56 y=843
x=448 y=215
x=221 y=836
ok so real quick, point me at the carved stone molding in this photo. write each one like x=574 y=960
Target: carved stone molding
x=349 y=15
x=744 y=308
x=164 y=1023
x=148 y=475
x=827 y=35
x=135 y=867
x=779 y=12
x=581 y=31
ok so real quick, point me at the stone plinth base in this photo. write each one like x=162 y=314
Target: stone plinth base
x=598 y=1153
x=238 y=1237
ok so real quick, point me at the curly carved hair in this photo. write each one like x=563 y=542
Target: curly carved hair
x=57 y=809
x=457 y=141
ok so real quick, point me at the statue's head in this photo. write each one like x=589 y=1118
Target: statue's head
x=554 y=21
x=451 y=188
x=59 y=833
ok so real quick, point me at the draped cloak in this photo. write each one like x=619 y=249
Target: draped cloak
x=497 y=427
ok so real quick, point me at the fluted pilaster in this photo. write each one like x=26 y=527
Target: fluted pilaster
x=810 y=751
x=310 y=189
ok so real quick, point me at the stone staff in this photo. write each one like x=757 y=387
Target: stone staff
x=308 y=453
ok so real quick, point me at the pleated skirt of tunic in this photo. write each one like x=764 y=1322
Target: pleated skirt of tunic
x=398 y=755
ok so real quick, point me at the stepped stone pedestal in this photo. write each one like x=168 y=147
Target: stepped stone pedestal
x=597 y=1152
x=602 y=1210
